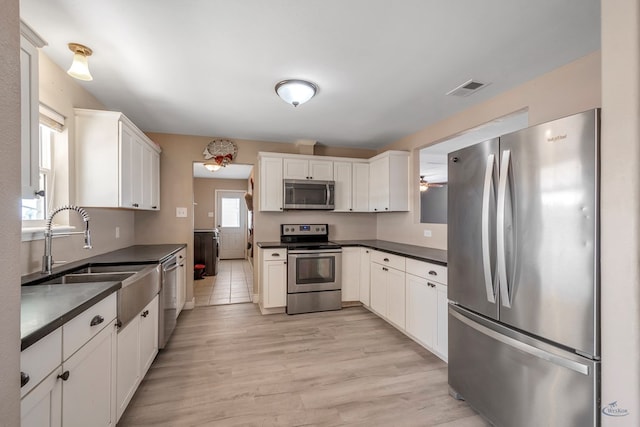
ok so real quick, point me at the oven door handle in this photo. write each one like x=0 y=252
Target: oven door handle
x=314 y=251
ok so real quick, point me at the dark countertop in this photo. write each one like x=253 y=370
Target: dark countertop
x=437 y=256
x=44 y=308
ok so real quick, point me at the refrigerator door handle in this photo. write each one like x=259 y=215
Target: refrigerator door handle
x=521 y=346
x=505 y=298
x=486 y=237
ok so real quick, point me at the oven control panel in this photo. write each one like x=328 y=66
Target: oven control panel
x=304 y=229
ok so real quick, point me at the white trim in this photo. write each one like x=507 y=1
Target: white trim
x=37 y=233
x=33 y=37
x=190 y=305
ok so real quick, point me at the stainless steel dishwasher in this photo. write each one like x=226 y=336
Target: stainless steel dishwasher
x=168 y=300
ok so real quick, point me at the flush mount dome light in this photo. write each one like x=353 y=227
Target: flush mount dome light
x=296 y=92
x=80 y=66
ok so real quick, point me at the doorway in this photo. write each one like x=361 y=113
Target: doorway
x=231 y=220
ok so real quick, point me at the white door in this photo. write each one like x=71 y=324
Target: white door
x=231 y=218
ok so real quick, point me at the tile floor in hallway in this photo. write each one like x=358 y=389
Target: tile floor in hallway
x=233 y=284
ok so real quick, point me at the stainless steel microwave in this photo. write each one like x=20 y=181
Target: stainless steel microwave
x=309 y=194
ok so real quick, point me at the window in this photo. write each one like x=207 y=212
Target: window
x=230 y=212
x=36 y=209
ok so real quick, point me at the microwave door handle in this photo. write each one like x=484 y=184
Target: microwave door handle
x=328 y=194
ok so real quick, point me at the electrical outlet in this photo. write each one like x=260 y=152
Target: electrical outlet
x=181 y=212
x=117 y=232
x=427 y=233
x=210 y=214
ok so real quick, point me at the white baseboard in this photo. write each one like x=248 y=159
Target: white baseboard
x=255 y=298
x=190 y=305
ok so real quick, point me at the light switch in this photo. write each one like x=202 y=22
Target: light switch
x=210 y=214
x=427 y=233
x=181 y=212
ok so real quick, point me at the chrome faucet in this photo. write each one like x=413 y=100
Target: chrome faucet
x=47 y=260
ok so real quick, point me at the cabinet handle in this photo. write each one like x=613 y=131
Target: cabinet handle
x=386 y=209
x=274 y=254
x=39 y=193
x=385 y=269
x=375 y=209
x=118 y=324
x=431 y=284
x=154 y=207
x=386 y=260
x=145 y=313
x=350 y=209
x=64 y=376
x=432 y=273
x=96 y=320
x=285 y=262
x=24 y=379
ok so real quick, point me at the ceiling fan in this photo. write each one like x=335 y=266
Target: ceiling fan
x=425 y=185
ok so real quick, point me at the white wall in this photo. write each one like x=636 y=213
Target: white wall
x=9 y=213
x=620 y=210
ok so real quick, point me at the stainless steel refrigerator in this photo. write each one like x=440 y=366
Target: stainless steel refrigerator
x=523 y=252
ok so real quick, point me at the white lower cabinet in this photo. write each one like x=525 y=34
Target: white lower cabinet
x=137 y=348
x=422 y=307
x=388 y=293
x=273 y=278
x=365 y=276
x=350 y=274
x=181 y=280
x=77 y=389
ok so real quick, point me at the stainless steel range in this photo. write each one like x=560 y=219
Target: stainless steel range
x=314 y=268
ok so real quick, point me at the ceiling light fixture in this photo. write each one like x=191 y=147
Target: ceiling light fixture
x=80 y=66
x=296 y=92
x=212 y=167
x=424 y=185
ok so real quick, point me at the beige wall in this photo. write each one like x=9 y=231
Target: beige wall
x=204 y=194
x=62 y=93
x=9 y=213
x=176 y=184
x=620 y=210
x=570 y=89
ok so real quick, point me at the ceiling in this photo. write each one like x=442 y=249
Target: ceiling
x=383 y=67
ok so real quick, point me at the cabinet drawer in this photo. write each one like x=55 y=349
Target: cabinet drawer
x=79 y=330
x=426 y=270
x=40 y=359
x=388 y=260
x=275 y=254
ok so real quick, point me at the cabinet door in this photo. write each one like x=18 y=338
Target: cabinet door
x=360 y=187
x=378 y=289
x=296 y=169
x=442 y=342
x=146 y=176
x=379 y=185
x=155 y=180
x=342 y=176
x=29 y=119
x=271 y=188
x=87 y=398
x=275 y=284
x=127 y=165
x=128 y=364
x=321 y=170
x=350 y=274
x=396 y=297
x=421 y=307
x=365 y=275
x=148 y=336
x=181 y=280
x=42 y=407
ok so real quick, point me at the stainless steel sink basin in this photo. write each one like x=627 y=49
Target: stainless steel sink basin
x=90 y=277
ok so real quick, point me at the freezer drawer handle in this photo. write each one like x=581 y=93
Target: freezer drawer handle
x=505 y=297
x=486 y=232
x=523 y=347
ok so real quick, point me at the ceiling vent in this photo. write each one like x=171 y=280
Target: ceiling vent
x=467 y=88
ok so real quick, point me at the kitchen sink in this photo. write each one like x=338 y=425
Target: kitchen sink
x=90 y=277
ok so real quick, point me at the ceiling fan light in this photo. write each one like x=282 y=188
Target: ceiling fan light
x=80 y=66
x=424 y=185
x=296 y=92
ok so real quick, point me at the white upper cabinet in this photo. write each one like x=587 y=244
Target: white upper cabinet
x=389 y=182
x=29 y=114
x=321 y=170
x=343 y=190
x=352 y=186
x=270 y=185
x=117 y=165
x=360 y=187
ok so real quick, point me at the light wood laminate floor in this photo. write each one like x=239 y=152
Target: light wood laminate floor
x=228 y=365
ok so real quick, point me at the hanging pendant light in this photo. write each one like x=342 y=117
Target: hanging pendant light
x=296 y=92
x=80 y=66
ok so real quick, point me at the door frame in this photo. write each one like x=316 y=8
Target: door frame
x=243 y=211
